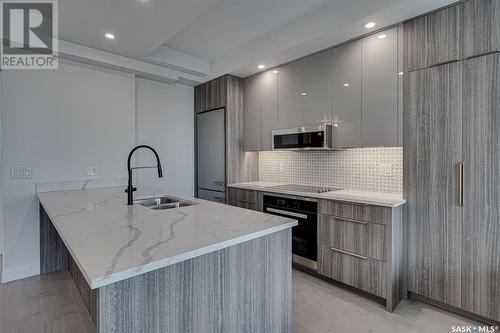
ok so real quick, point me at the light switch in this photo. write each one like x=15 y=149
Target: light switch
x=20 y=173
x=92 y=171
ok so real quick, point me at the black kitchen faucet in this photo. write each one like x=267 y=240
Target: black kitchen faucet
x=130 y=189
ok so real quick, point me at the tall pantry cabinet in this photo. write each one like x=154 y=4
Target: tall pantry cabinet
x=452 y=156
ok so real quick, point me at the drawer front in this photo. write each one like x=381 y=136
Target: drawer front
x=380 y=215
x=363 y=273
x=354 y=211
x=365 y=239
x=344 y=209
x=245 y=199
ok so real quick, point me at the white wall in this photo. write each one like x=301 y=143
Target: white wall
x=58 y=122
x=165 y=121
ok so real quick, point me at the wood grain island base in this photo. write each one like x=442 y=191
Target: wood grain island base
x=242 y=288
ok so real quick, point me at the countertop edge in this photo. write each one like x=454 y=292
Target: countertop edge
x=339 y=197
x=120 y=276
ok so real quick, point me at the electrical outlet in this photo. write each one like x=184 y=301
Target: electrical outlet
x=20 y=173
x=385 y=169
x=92 y=171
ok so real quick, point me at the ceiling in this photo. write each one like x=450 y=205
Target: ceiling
x=208 y=38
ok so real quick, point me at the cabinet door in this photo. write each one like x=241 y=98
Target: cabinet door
x=289 y=95
x=380 y=89
x=251 y=114
x=481 y=27
x=481 y=225
x=346 y=114
x=317 y=86
x=432 y=151
x=434 y=39
x=268 y=82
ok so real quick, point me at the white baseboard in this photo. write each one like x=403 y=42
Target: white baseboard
x=20 y=272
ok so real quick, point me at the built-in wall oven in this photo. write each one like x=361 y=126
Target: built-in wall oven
x=304 y=235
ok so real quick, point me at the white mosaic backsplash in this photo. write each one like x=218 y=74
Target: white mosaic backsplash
x=365 y=169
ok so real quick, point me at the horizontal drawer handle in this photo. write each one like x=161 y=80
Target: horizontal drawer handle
x=287 y=213
x=349 y=253
x=348 y=219
x=247 y=202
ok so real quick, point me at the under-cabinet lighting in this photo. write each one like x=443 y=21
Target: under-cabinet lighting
x=261 y=66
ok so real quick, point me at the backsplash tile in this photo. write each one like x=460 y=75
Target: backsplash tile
x=354 y=169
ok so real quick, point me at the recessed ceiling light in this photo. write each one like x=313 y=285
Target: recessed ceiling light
x=275 y=71
x=304 y=94
x=261 y=66
x=369 y=25
x=400 y=73
x=381 y=36
x=346 y=84
x=109 y=36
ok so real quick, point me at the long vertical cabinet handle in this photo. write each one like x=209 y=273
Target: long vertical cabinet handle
x=461 y=184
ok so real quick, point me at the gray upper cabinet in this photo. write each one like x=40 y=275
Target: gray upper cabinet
x=317 y=86
x=347 y=94
x=260 y=110
x=481 y=27
x=380 y=89
x=251 y=114
x=290 y=95
x=268 y=82
x=434 y=39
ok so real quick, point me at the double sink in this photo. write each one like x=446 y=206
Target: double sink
x=164 y=202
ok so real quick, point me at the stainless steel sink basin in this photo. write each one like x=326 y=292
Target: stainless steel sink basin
x=164 y=202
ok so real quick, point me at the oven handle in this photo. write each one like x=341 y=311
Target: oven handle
x=285 y=212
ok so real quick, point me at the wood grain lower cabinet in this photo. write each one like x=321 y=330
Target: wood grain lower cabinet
x=247 y=199
x=363 y=273
x=361 y=252
x=360 y=238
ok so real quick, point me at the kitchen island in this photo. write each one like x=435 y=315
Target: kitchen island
x=204 y=267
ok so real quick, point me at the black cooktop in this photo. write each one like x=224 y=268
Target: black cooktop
x=305 y=188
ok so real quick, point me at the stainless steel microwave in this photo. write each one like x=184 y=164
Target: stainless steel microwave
x=318 y=137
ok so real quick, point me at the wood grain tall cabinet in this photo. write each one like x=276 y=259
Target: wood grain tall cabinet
x=452 y=157
x=227 y=92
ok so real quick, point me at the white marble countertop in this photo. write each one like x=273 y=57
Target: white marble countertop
x=111 y=241
x=365 y=197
